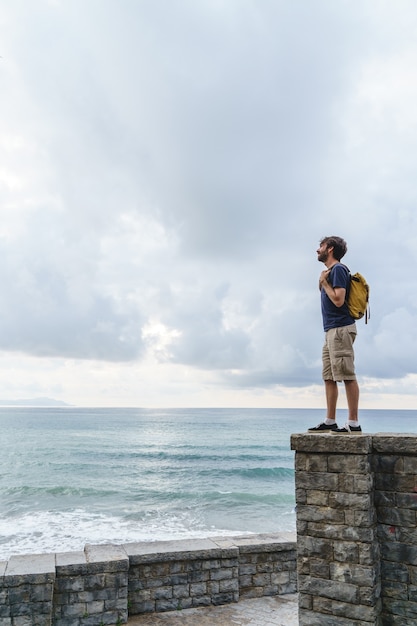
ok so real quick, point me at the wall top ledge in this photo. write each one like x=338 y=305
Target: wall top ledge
x=112 y=555
x=103 y=553
x=63 y=559
x=71 y=563
x=265 y=542
x=337 y=444
x=116 y=558
x=400 y=443
x=405 y=443
x=213 y=548
x=155 y=551
x=22 y=564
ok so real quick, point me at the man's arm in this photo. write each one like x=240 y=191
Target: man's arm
x=336 y=294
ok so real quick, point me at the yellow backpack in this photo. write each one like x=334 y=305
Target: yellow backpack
x=358 y=297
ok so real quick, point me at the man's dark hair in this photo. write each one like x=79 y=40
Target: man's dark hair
x=338 y=244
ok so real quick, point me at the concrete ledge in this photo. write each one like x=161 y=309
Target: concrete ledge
x=259 y=543
x=113 y=557
x=192 y=549
x=401 y=443
x=36 y=568
x=70 y=564
x=342 y=444
x=398 y=443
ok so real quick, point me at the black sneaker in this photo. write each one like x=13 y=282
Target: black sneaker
x=348 y=430
x=323 y=428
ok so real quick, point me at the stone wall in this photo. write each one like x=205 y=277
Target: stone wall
x=91 y=587
x=266 y=568
x=26 y=591
x=103 y=584
x=180 y=575
x=395 y=471
x=356 y=529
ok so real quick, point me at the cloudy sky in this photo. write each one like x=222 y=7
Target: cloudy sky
x=167 y=168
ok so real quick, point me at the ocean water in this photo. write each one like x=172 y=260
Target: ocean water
x=71 y=476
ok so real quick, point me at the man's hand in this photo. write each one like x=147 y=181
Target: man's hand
x=323 y=278
x=336 y=294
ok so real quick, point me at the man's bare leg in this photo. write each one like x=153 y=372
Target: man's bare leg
x=352 y=396
x=331 y=398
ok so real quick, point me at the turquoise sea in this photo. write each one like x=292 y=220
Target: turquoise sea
x=70 y=476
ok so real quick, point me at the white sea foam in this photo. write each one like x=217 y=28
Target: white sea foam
x=43 y=532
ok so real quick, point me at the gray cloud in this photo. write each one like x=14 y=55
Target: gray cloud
x=177 y=162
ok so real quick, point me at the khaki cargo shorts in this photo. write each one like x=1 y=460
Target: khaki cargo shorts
x=338 y=355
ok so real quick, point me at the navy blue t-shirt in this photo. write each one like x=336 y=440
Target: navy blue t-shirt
x=333 y=316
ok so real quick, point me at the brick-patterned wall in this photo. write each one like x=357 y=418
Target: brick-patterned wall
x=27 y=591
x=176 y=575
x=182 y=574
x=338 y=562
x=105 y=583
x=266 y=568
x=91 y=587
x=356 y=529
x=395 y=470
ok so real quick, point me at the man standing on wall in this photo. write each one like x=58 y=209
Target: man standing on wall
x=340 y=333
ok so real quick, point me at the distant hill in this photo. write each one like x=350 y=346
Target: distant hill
x=34 y=402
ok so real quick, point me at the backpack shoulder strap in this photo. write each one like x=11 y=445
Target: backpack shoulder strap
x=346 y=268
x=349 y=281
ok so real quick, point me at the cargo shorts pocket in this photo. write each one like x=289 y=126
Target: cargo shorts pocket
x=342 y=356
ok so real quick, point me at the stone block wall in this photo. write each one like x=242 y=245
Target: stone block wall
x=338 y=558
x=395 y=471
x=103 y=584
x=165 y=576
x=265 y=567
x=27 y=590
x=356 y=529
x=91 y=587
x=176 y=575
